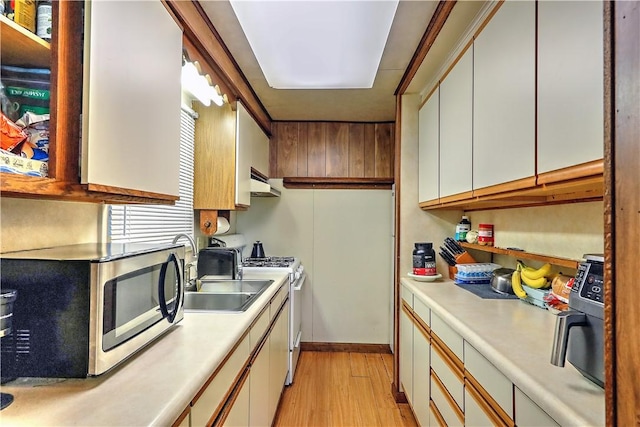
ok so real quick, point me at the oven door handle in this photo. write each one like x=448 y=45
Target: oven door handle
x=162 y=298
x=298 y=283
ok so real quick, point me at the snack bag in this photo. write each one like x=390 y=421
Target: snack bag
x=12 y=134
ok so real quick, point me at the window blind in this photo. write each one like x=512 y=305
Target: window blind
x=160 y=223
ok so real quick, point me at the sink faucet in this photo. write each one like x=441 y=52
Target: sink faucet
x=189 y=284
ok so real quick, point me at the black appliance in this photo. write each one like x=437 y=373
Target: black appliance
x=579 y=333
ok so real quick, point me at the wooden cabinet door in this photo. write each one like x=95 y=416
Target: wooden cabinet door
x=132 y=96
x=428 y=148
x=456 y=127
x=504 y=96
x=570 y=83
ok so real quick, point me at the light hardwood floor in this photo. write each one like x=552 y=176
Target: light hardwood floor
x=342 y=389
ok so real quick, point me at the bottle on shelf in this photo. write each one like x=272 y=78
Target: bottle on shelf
x=462 y=228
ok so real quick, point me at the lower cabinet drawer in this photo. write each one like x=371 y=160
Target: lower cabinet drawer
x=447 y=407
x=212 y=398
x=489 y=378
x=451 y=379
x=474 y=416
x=528 y=414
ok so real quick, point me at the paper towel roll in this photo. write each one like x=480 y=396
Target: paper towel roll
x=223 y=226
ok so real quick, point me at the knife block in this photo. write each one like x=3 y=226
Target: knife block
x=463 y=258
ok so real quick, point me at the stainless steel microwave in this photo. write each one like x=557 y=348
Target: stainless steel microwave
x=82 y=309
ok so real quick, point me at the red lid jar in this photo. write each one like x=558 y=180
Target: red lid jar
x=485 y=234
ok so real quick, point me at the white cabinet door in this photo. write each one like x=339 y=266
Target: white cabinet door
x=278 y=359
x=239 y=413
x=528 y=414
x=243 y=155
x=456 y=127
x=504 y=96
x=131 y=100
x=259 y=389
x=570 y=83
x=428 y=148
x=474 y=416
x=421 y=376
x=406 y=356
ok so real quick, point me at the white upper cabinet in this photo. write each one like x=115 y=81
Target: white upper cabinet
x=570 y=83
x=504 y=96
x=131 y=99
x=456 y=127
x=428 y=148
x=245 y=132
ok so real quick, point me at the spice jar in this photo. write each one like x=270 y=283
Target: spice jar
x=485 y=234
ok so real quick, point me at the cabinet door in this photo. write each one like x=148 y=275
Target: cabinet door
x=239 y=414
x=474 y=415
x=244 y=135
x=528 y=414
x=132 y=95
x=456 y=127
x=251 y=136
x=570 y=83
x=421 y=375
x=428 y=148
x=259 y=390
x=504 y=96
x=406 y=355
x=278 y=359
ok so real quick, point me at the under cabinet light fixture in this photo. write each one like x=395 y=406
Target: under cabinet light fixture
x=320 y=44
x=199 y=86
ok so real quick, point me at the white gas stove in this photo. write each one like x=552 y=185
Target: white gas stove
x=297 y=278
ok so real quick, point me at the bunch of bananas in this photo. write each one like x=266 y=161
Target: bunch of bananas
x=531 y=277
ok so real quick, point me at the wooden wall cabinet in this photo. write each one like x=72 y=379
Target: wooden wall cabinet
x=332 y=150
x=66 y=63
x=222 y=161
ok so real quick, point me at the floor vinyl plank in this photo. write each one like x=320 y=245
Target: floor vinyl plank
x=333 y=389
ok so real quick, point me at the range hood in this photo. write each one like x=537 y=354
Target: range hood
x=260 y=188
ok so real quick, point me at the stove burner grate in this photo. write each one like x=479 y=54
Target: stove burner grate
x=268 y=262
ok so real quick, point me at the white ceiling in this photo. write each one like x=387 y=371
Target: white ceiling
x=355 y=105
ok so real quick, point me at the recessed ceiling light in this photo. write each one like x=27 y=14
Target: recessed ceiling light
x=317 y=44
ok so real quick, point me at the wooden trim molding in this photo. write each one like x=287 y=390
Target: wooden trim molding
x=438 y=20
x=506 y=187
x=182 y=416
x=436 y=413
x=345 y=347
x=326 y=183
x=127 y=192
x=223 y=414
x=456 y=197
x=595 y=167
x=561 y=262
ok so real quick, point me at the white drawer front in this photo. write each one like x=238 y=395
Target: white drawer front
x=448 y=336
x=406 y=295
x=528 y=414
x=474 y=416
x=422 y=311
x=448 y=378
x=445 y=409
x=490 y=378
x=259 y=328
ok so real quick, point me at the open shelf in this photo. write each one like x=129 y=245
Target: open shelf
x=561 y=262
x=21 y=47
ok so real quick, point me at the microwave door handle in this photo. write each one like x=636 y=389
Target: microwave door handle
x=162 y=298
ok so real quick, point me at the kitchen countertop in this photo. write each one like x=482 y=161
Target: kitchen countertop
x=517 y=338
x=151 y=388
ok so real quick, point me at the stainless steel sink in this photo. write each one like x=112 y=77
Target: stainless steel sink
x=225 y=295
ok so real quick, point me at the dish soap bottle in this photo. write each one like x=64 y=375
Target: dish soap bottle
x=462 y=228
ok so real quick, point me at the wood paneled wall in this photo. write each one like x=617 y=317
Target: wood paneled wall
x=331 y=150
